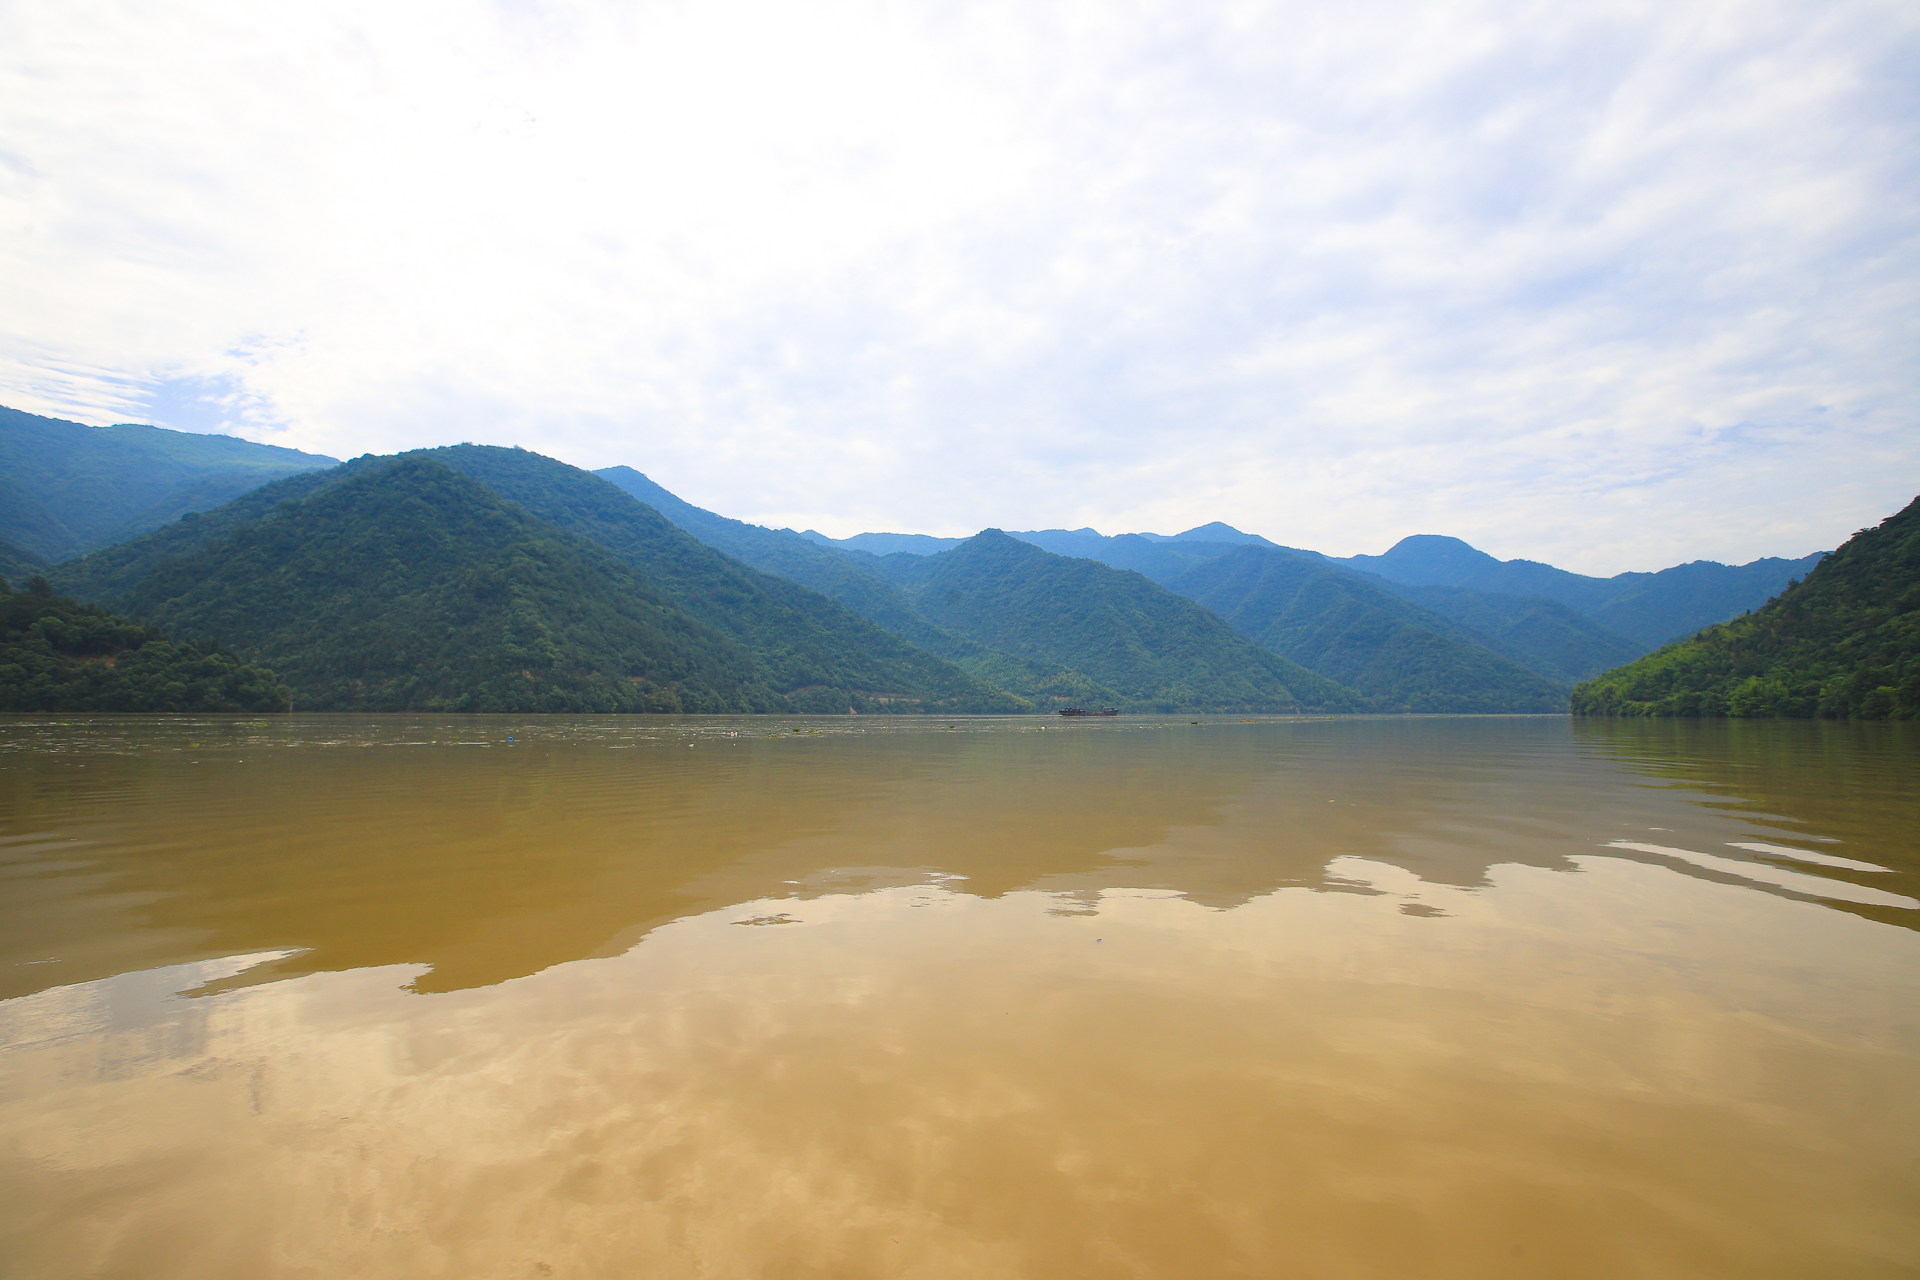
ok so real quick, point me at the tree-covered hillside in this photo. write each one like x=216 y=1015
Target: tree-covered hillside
x=849 y=577
x=803 y=639
x=1350 y=630
x=1654 y=608
x=410 y=587
x=67 y=488
x=998 y=624
x=782 y=552
x=1560 y=625
x=807 y=652
x=1843 y=643
x=109 y=576
x=1542 y=635
x=1644 y=609
x=18 y=564
x=59 y=655
x=1156 y=650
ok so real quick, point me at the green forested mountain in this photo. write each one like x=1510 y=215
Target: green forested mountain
x=1546 y=637
x=803 y=639
x=1654 y=608
x=783 y=552
x=67 y=488
x=59 y=655
x=1843 y=643
x=1153 y=648
x=1647 y=609
x=1542 y=635
x=998 y=623
x=18 y=564
x=408 y=586
x=851 y=579
x=1353 y=631
x=108 y=576
x=833 y=565
x=872 y=585
x=804 y=652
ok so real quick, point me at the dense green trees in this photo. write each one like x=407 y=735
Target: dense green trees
x=1350 y=630
x=17 y=564
x=812 y=648
x=58 y=655
x=1544 y=636
x=404 y=584
x=473 y=578
x=410 y=587
x=108 y=576
x=779 y=551
x=1844 y=643
x=1154 y=649
x=852 y=581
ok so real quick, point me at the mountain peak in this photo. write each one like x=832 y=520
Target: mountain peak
x=1219 y=531
x=1434 y=558
x=1437 y=547
x=997 y=543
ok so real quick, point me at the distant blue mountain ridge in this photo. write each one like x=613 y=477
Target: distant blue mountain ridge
x=1431 y=570
x=1419 y=645
x=67 y=488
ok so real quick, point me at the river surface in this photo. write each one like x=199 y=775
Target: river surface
x=330 y=996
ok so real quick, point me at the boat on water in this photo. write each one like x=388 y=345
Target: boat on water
x=1082 y=711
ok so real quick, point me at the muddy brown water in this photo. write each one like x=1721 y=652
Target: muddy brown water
x=320 y=996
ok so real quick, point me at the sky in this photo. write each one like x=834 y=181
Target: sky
x=1608 y=285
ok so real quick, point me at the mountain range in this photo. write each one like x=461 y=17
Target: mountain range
x=1115 y=627
x=1647 y=609
x=1404 y=657
x=1844 y=643
x=405 y=583
x=67 y=488
x=1477 y=650
x=471 y=578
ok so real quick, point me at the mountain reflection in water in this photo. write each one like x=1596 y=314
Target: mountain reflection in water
x=1269 y=997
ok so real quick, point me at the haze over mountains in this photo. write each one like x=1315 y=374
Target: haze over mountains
x=1479 y=649
x=1362 y=635
x=1117 y=628
x=1648 y=608
x=481 y=578
x=66 y=488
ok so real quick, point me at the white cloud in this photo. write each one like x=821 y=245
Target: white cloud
x=1606 y=285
